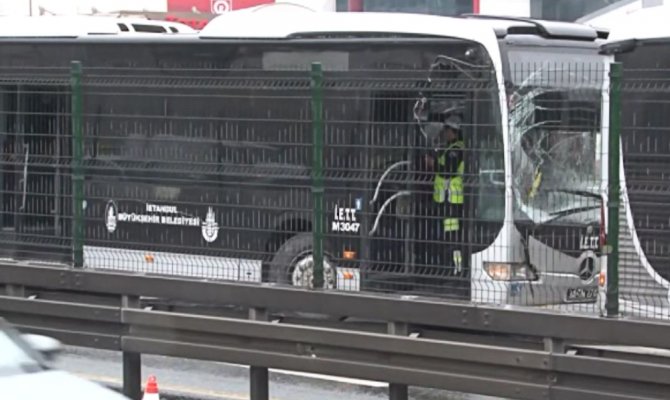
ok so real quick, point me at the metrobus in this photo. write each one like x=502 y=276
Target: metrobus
x=640 y=46
x=198 y=151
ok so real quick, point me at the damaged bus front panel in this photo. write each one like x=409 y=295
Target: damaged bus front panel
x=555 y=98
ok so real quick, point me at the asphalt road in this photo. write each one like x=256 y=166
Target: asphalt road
x=200 y=380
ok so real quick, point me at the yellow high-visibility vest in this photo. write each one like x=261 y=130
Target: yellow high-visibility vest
x=454 y=185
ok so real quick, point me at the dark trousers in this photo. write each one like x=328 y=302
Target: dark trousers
x=434 y=248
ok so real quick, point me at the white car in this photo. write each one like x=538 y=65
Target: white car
x=24 y=373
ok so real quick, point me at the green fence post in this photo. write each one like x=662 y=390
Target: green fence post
x=317 y=171
x=77 y=166
x=612 y=305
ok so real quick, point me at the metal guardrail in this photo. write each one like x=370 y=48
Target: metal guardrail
x=317 y=181
x=554 y=372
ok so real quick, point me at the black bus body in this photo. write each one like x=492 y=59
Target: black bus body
x=198 y=155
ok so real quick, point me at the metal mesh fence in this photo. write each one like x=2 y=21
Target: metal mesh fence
x=197 y=174
x=36 y=158
x=215 y=176
x=240 y=173
x=644 y=267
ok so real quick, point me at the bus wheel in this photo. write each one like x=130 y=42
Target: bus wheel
x=293 y=264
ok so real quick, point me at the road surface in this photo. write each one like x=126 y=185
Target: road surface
x=203 y=380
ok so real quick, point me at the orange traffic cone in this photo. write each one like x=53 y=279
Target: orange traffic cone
x=151 y=389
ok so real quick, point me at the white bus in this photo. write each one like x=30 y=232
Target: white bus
x=641 y=45
x=530 y=95
x=88 y=25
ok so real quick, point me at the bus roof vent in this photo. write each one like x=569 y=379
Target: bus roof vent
x=505 y=25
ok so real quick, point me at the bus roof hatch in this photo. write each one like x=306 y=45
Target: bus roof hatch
x=547 y=29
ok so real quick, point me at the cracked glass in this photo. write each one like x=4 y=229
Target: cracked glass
x=555 y=105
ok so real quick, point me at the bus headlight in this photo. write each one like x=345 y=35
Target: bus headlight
x=509 y=271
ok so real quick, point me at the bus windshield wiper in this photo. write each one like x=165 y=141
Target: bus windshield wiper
x=544 y=216
x=583 y=193
x=569 y=211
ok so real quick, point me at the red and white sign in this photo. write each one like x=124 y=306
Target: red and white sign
x=221 y=6
x=213 y=6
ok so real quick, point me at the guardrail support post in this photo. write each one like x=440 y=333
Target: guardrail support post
x=132 y=362
x=259 y=381
x=398 y=391
x=132 y=375
x=77 y=166
x=614 y=195
x=317 y=172
x=15 y=290
x=553 y=345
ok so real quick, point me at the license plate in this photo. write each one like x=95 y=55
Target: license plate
x=582 y=294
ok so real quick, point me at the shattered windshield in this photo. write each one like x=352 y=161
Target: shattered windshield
x=554 y=127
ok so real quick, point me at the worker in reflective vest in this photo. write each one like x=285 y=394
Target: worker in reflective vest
x=448 y=187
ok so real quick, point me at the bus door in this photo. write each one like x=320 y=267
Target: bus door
x=436 y=250
x=406 y=253
x=389 y=203
x=35 y=189
x=473 y=97
x=406 y=246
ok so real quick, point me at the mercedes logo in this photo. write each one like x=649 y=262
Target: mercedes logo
x=587 y=268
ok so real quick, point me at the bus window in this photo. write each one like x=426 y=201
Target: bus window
x=477 y=101
x=554 y=124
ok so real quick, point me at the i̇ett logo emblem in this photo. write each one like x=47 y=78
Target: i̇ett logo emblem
x=210 y=229
x=111 y=216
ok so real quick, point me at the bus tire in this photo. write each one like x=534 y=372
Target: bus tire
x=292 y=264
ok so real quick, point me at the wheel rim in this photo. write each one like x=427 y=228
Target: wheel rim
x=303 y=273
